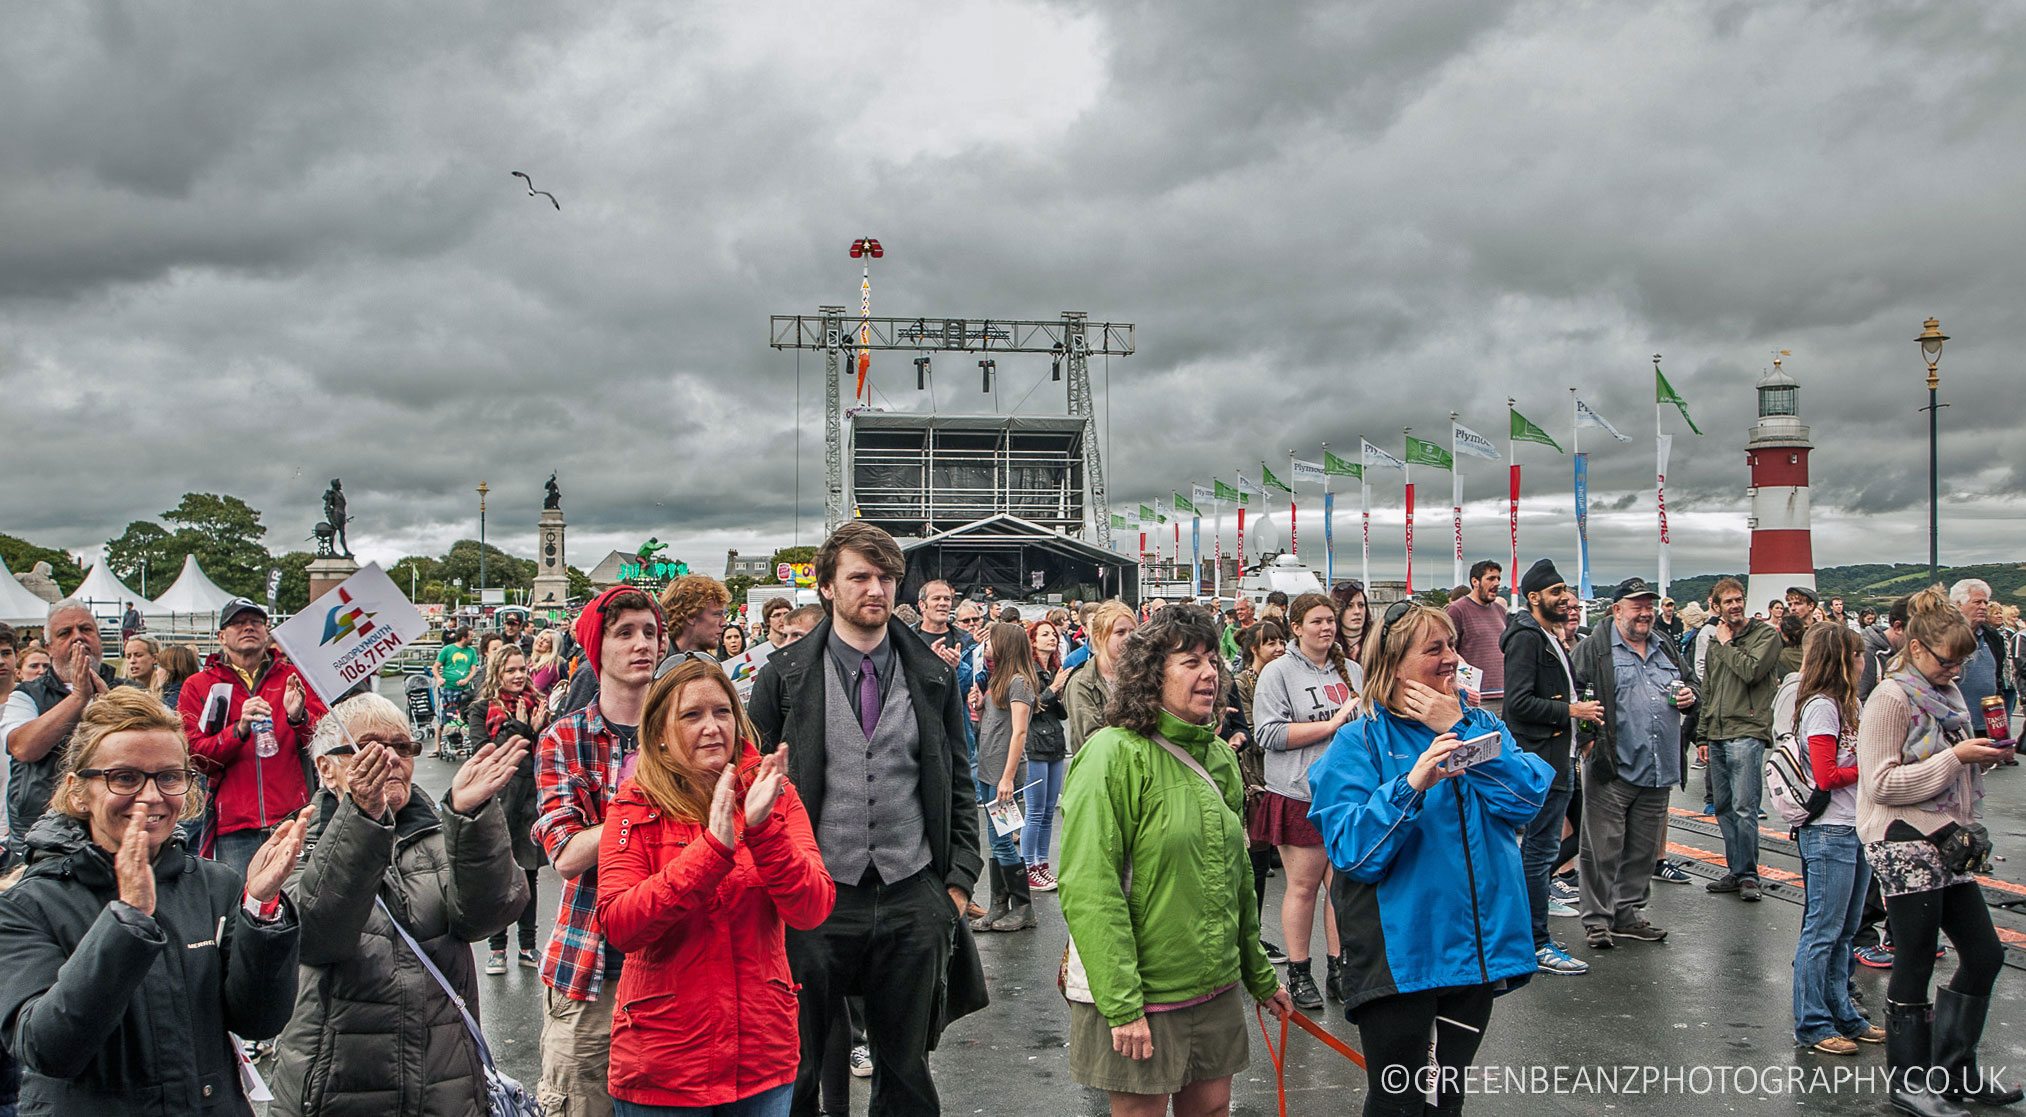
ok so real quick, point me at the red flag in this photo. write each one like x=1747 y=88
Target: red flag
x=1410 y=540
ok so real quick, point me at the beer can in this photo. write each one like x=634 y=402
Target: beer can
x=1997 y=725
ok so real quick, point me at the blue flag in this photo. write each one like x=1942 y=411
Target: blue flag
x=1583 y=522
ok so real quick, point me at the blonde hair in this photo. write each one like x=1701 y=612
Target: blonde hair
x=1386 y=648
x=1940 y=627
x=1108 y=614
x=671 y=781
x=119 y=710
x=489 y=690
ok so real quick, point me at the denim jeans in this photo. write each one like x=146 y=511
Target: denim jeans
x=1005 y=847
x=237 y=848
x=1837 y=878
x=1046 y=775
x=1737 y=779
x=767 y=1103
x=1540 y=844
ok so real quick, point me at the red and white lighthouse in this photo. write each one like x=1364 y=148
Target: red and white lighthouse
x=1782 y=552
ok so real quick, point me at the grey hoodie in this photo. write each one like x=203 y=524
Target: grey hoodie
x=1295 y=690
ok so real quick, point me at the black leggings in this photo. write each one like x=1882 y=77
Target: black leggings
x=1262 y=860
x=1917 y=919
x=1394 y=1032
x=527 y=920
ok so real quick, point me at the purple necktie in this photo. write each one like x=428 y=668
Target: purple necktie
x=868 y=697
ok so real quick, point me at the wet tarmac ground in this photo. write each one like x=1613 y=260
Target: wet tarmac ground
x=1700 y=1022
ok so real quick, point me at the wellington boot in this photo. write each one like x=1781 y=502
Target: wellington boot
x=1909 y=1050
x=1001 y=898
x=1959 y=1025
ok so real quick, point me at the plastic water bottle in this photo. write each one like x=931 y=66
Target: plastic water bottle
x=264 y=742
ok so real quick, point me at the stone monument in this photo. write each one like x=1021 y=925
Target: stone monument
x=334 y=562
x=552 y=568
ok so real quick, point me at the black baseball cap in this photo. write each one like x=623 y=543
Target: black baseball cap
x=235 y=607
x=1802 y=591
x=1633 y=587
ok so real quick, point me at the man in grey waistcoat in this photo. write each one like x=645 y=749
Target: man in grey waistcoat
x=858 y=709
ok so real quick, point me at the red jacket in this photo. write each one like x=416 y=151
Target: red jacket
x=706 y=1013
x=251 y=792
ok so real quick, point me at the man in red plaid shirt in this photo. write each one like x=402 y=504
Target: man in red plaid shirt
x=578 y=766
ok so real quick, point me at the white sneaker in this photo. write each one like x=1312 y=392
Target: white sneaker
x=861 y=1062
x=1561 y=908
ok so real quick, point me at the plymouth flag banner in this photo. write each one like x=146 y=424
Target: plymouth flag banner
x=1312 y=472
x=1428 y=453
x=1338 y=467
x=347 y=634
x=1525 y=431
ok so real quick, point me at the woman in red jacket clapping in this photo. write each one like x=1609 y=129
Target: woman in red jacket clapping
x=706 y=854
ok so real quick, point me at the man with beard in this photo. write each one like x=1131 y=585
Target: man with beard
x=1737 y=719
x=874 y=728
x=1632 y=760
x=1541 y=709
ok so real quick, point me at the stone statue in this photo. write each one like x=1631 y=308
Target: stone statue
x=331 y=542
x=555 y=497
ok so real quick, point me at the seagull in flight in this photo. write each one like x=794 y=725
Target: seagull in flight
x=533 y=192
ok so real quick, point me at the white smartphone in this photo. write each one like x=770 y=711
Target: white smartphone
x=1475 y=751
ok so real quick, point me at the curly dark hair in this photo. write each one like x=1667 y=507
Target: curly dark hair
x=1135 y=703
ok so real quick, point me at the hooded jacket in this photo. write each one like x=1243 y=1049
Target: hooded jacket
x=114 y=1012
x=1538 y=691
x=1429 y=892
x=1878 y=653
x=373 y=1033
x=1738 y=683
x=251 y=792
x=706 y=1011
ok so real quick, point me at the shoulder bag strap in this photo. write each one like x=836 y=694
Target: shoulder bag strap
x=1196 y=766
x=470 y=1024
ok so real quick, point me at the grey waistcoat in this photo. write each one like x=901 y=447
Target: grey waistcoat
x=883 y=827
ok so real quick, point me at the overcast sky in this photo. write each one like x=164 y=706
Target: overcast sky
x=249 y=248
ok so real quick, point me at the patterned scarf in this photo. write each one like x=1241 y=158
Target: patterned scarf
x=1941 y=717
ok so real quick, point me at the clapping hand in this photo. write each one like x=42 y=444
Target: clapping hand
x=482 y=777
x=951 y=655
x=725 y=806
x=276 y=858
x=132 y=865
x=292 y=702
x=767 y=781
x=366 y=776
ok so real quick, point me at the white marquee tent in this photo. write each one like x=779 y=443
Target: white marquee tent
x=194 y=592
x=108 y=596
x=17 y=605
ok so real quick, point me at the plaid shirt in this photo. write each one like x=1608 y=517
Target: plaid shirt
x=576 y=772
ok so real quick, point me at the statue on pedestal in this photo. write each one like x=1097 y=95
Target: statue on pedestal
x=330 y=534
x=555 y=498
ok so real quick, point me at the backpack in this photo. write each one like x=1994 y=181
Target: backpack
x=1790 y=781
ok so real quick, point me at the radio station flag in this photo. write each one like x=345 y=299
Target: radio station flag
x=1271 y=481
x=1474 y=444
x=350 y=632
x=1586 y=417
x=1523 y=430
x=1309 y=471
x=1183 y=504
x=1428 y=453
x=1665 y=393
x=1337 y=467
x=1200 y=495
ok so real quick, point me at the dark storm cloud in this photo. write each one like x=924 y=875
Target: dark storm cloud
x=249 y=249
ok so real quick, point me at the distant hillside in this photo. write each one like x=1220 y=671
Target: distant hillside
x=1878 y=583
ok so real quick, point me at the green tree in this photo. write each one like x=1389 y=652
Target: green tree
x=21 y=556
x=580 y=583
x=416 y=571
x=224 y=532
x=145 y=546
x=737 y=585
x=294 y=595
x=502 y=570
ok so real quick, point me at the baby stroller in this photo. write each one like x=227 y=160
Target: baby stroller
x=421 y=707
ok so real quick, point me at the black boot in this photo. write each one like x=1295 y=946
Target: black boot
x=1908 y=1049
x=1020 y=907
x=1334 y=982
x=1000 y=897
x=1959 y=1025
x=1301 y=987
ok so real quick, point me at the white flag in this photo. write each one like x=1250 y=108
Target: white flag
x=1474 y=444
x=1251 y=488
x=1376 y=457
x=1588 y=418
x=1200 y=495
x=1309 y=471
x=349 y=632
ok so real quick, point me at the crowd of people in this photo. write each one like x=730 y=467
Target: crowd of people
x=211 y=867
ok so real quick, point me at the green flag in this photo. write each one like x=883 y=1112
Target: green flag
x=1524 y=431
x=1337 y=467
x=1665 y=393
x=1118 y=522
x=1271 y=481
x=1146 y=515
x=1224 y=491
x=1182 y=504
x=1428 y=453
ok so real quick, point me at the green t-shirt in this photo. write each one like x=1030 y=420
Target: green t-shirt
x=456 y=663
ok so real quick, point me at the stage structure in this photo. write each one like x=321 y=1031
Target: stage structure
x=919 y=474
x=1019 y=560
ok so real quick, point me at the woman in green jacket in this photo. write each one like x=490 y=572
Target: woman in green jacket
x=1156 y=886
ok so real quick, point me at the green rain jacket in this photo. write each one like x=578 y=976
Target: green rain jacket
x=1191 y=924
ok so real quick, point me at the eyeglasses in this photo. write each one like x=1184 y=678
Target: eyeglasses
x=1394 y=612
x=680 y=658
x=129 y=781
x=1944 y=664
x=403 y=747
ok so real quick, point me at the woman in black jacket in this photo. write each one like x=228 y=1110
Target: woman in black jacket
x=129 y=959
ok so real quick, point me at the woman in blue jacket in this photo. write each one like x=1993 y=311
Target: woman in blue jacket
x=1430 y=897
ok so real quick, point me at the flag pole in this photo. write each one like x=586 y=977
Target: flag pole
x=1407 y=494
x=1292 y=548
x=1456 y=501
x=1512 y=493
x=1576 y=458
x=1659 y=477
x=1329 y=535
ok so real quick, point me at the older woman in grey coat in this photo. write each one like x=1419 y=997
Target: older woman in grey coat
x=373 y=1033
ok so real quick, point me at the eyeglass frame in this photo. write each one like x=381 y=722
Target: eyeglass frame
x=106 y=774
x=408 y=748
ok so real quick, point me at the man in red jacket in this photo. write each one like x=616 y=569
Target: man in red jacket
x=253 y=794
